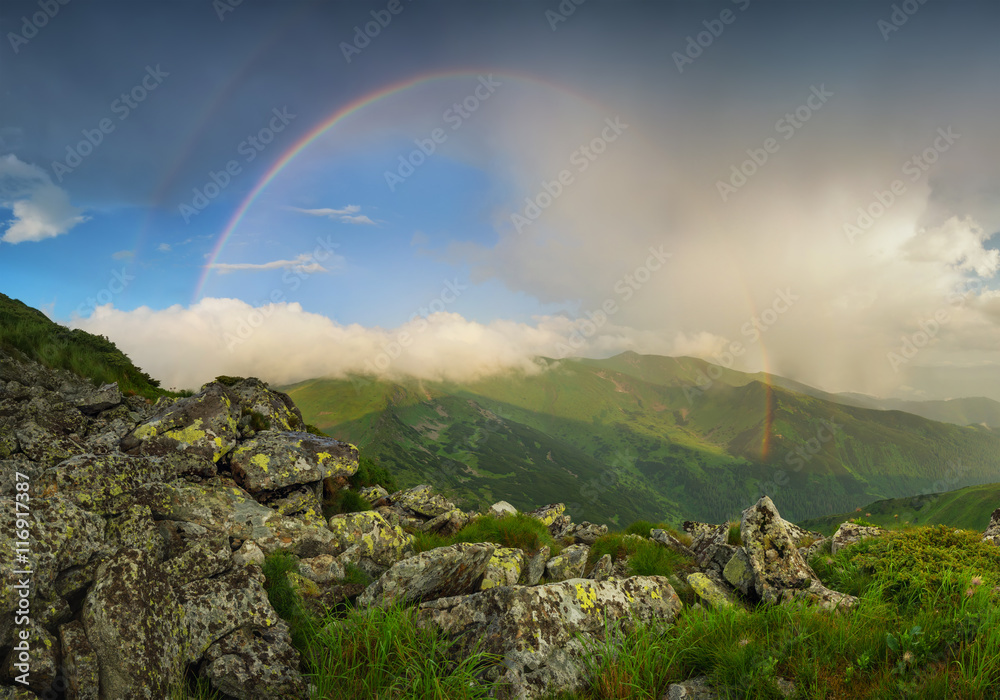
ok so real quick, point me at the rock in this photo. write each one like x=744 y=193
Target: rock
x=772 y=555
x=544 y=634
x=438 y=573
x=302 y=503
x=586 y=533
x=367 y=540
x=504 y=568
x=710 y=591
x=603 y=569
x=321 y=569
x=548 y=514
x=79 y=663
x=570 y=563
x=704 y=538
x=818 y=594
x=715 y=557
x=421 y=501
x=534 y=567
x=136 y=529
x=849 y=533
x=274 y=460
x=373 y=494
x=992 y=534
x=799 y=535
x=501 y=508
x=446 y=524
x=16 y=693
x=42 y=666
x=259 y=403
x=205 y=424
x=739 y=574
x=696 y=529
x=809 y=551
x=255 y=664
x=671 y=542
x=692 y=689
x=97 y=400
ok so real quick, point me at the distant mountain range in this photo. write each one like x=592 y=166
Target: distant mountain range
x=641 y=436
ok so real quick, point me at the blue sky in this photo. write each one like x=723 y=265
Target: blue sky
x=838 y=102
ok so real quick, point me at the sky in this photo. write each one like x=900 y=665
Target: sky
x=453 y=189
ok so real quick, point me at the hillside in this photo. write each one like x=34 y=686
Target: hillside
x=28 y=333
x=633 y=437
x=967 y=508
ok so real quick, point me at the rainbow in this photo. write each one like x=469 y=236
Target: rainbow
x=327 y=124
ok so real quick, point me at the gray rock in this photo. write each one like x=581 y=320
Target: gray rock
x=849 y=533
x=256 y=663
x=568 y=564
x=603 y=569
x=80 y=664
x=534 y=568
x=992 y=534
x=438 y=573
x=671 y=542
x=772 y=555
x=501 y=508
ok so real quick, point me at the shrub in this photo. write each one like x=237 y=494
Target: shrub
x=228 y=381
x=345 y=501
x=371 y=474
x=512 y=530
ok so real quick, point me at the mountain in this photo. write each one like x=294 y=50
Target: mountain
x=30 y=334
x=967 y=508
x=646 y=437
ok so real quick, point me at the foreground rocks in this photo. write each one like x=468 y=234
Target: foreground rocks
x=992 y=534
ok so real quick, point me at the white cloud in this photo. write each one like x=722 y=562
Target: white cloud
x=41 y=208
x=304 y=263
x=347 y=215
x=164 y=248
x=959 y=243
x=123 y=255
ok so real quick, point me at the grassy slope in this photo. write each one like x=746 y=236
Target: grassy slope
x=967 y=508
x=621 y=440
x=29 y=332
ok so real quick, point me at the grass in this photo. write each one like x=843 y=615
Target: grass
x=645 y=557
x=345 y=501
x=515 y=530
x=28 y=333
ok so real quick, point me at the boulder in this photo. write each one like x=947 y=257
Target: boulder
x=421 y=501
x=274 y=460
x=373 y=494
x=772 y=555
x=534 y=567
x=501 y=508
x=603 y=569
x=83 y=675
x=848 y=533
x=205 y=424
x=671 y=542
x=543 y=635
x=259 y=404
x=446 y=524
x=568 y=564
x=711 y=591
x=504 y=568
x=548 y=514
x=255 y=664
x=586 y=532
x=321 y=569
x=715 y=557
x=740 y=575
x=437 y=573
x=992 y=534
x=43 y=661
x=368 y=541
x=98 y=399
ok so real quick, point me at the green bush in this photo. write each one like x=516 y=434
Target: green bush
x=371 y=474
x=228 y=381
x=345 y=501
x=512 y=530
x=645 y=557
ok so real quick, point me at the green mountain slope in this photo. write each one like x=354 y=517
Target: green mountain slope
x=29 y=332
x=969 y=508
x=632 y=437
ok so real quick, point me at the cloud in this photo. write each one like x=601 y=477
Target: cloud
x=345 y=215
x=304 y=263
x=123 y=255
x=41 y=208
x=164 y=248
x=958 y=242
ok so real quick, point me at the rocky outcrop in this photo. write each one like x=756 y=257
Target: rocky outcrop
x=992 y=534
x=570 y=563
x=670 y=542
x=274 y=460
x=540 y=633
x=504 y=568
x=438 y=573
x=368 y=541
x=848 y=533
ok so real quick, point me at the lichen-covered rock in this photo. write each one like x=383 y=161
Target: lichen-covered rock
x=670 y=542
x=704 y=538
x=548 y=514
x=420 y=500
x=256 y=663
x=258 y=403
x=534 y=567
x=205 y=424
x=96 y=400
x=248 y=553
x=373 y=494
x=437 y=573
x=585 y=532
x=500 y=509
x=42 y=665
x=800 y=535
x=16 y=692
x=446 y=524
x=992 y=534
x=772 y=555
x=849 y=533
x=368 y=541
x=541 y=633
x=136 y=529
x=504 y=568
x=302 y=503
x=83 y=676
x=603 y=569
x=710 y=591
x=570 y=563
x=818 y=594
x=274 y=460
x=321 y=569
x=697 y=688
x=135 y=623
x=740 y=574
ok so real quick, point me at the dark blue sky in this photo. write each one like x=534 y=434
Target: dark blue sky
x=119 y=119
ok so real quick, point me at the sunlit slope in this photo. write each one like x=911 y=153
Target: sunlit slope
x=641 y=443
